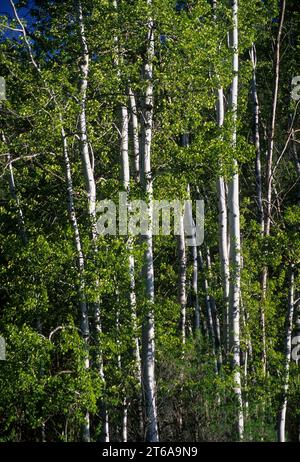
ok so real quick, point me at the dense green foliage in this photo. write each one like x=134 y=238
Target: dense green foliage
x=44 y=388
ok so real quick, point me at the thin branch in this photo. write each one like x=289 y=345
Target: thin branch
x=25 y=37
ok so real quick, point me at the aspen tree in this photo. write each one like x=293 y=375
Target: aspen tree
x=88 y=170
x=234 y=231
x=148 y=340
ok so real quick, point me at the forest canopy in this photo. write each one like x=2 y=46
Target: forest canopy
x=113 y=335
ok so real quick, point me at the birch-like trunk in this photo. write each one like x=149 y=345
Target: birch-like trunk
x=131 y=263
x=223 y=219
x=234 y=232
x=269 y=172
x=182 y=277
x=209 y=314
x=125 y=170
x=148 y=340
x=258 y=181
x=90 y=183
x=84 y=146
x=256 y=135
x=135 y=135
x=194 y=253
x=288 y=350
x=215 y=314
x=224 y=254
x=85 y=329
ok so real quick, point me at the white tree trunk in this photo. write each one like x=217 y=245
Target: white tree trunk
x=223 y=219
x=224 y=253
x=258 y=177
x=88 y=169
x=131 y=263
x=269 y=175
x=194 y=254
x=148 y=342
x=125 y=169
x=216 y=320
x=182 y=276
x=256 y=112
x=135 y=135
x=85 y=329
x=234 y=232
x=209 y=314
x=288 y=351
x=84 y=147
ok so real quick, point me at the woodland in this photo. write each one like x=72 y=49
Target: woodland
x=151 y=337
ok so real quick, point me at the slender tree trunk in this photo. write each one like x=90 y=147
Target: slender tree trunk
x=224 y=254
x=194 y=254
x=269 y=176
x=131 y=262
x=88 y=169
x=269 y=173
x=84 y=146
x=223 y=219
x=261 y=218
x=288 y=349
x=85 y=329
x=256 y=112
x=209 y=315
x=125 y=169
x=234 y=232
x=148 y=345
x=215 y=315
x=195 y=287
x=182 y=277
x=135 y=135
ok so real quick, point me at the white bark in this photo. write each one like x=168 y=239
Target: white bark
x=258 y=176
x=90 y=183
x=223 y=223
x=125 y=168
x=135 y=135
x=215 y=315
x=194 y=254
x=288 y=350
x=85 y=329
x=148 y=345
x=234 y=232
x=269 y=182
x=182 y=277
x=256 y=112
x=269 y=174
x=209 y=315
x=84 y=145
x=195 y=287
x=131 y=262
x=224 y=253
